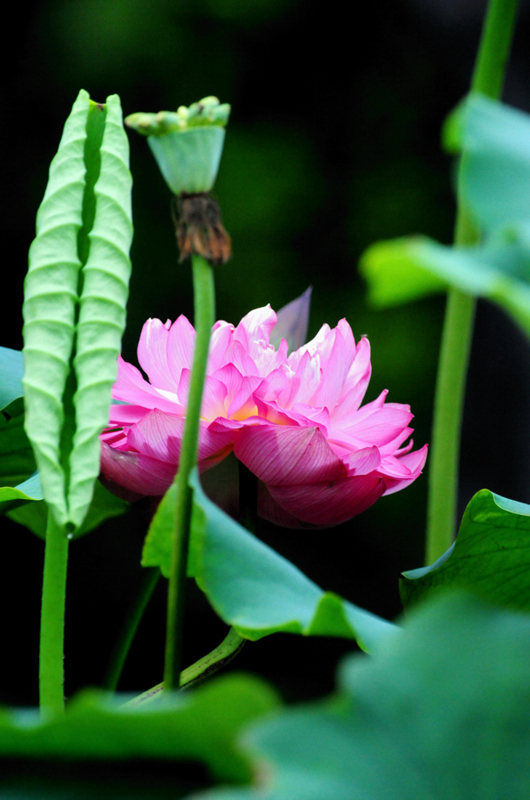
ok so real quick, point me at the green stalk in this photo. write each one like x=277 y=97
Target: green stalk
x=51 y=658
x=488 y=79
x=128 y=632
x=204 y=301
x=200 y=670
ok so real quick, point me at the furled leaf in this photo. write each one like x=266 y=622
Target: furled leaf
x=439 y=712
x=74 y=307
x=102 y=309
x=11 y=372
x=491 y=556
x=494 y=182
x=251 y=586
x=199 y=725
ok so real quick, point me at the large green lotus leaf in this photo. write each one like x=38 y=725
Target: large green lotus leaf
x=11 y=372
x=491 y=556
x=252 y=587
x=34 y=515
x=198 y=725
x=74 y=304
x=438 y=713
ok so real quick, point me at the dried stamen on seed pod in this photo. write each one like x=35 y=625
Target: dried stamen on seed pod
x=199 y=228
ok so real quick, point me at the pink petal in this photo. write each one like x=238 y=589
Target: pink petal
x=330 y=503
x=136 y=472
x=381 y=425
x=355 y=383
x=159 y=436
x=333 y=372
x=271 y=510
x=214 y=398
x=115 y=438
x=222 y=333
x=275 y=387
x=299 y=415
x=292 y=322
x=238 y=356
x=180 y=346
x=255 y=326
x=280 y=455
x=152 y=354
x=362 y=462
x=126 y=414
x=132 y=388
x=391 y=448
x=311 y=347
x=414 y=462
x=243 y=405
x=306 y=379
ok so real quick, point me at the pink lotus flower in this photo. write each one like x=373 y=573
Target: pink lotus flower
x=295 y=420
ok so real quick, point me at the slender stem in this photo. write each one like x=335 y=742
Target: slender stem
x=494 y=48
x=200 y=670
x=51 y=658
x=488 y=78
x=150 y=579
x=204 y=294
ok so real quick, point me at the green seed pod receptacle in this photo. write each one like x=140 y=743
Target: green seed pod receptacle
x=189 y=160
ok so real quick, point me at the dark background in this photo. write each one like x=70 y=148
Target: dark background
x=333 y=144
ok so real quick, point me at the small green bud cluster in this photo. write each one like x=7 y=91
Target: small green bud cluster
x=207 y=112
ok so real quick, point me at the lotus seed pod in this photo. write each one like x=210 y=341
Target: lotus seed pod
x=186 y=143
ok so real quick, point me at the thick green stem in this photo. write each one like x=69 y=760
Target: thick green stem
x=128 y=632
x=204 y=294
x=488 y=78
x=51 y=659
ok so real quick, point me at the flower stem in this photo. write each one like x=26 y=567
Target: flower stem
x=488 y=78
x=200 y=670
x=128 y=632
x=204 y=300
x=51 y=657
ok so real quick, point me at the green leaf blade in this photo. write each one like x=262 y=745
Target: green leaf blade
x=439 y=712
x=252 y=587
x=491 y=556
x=200 y=725
x=496 y=169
